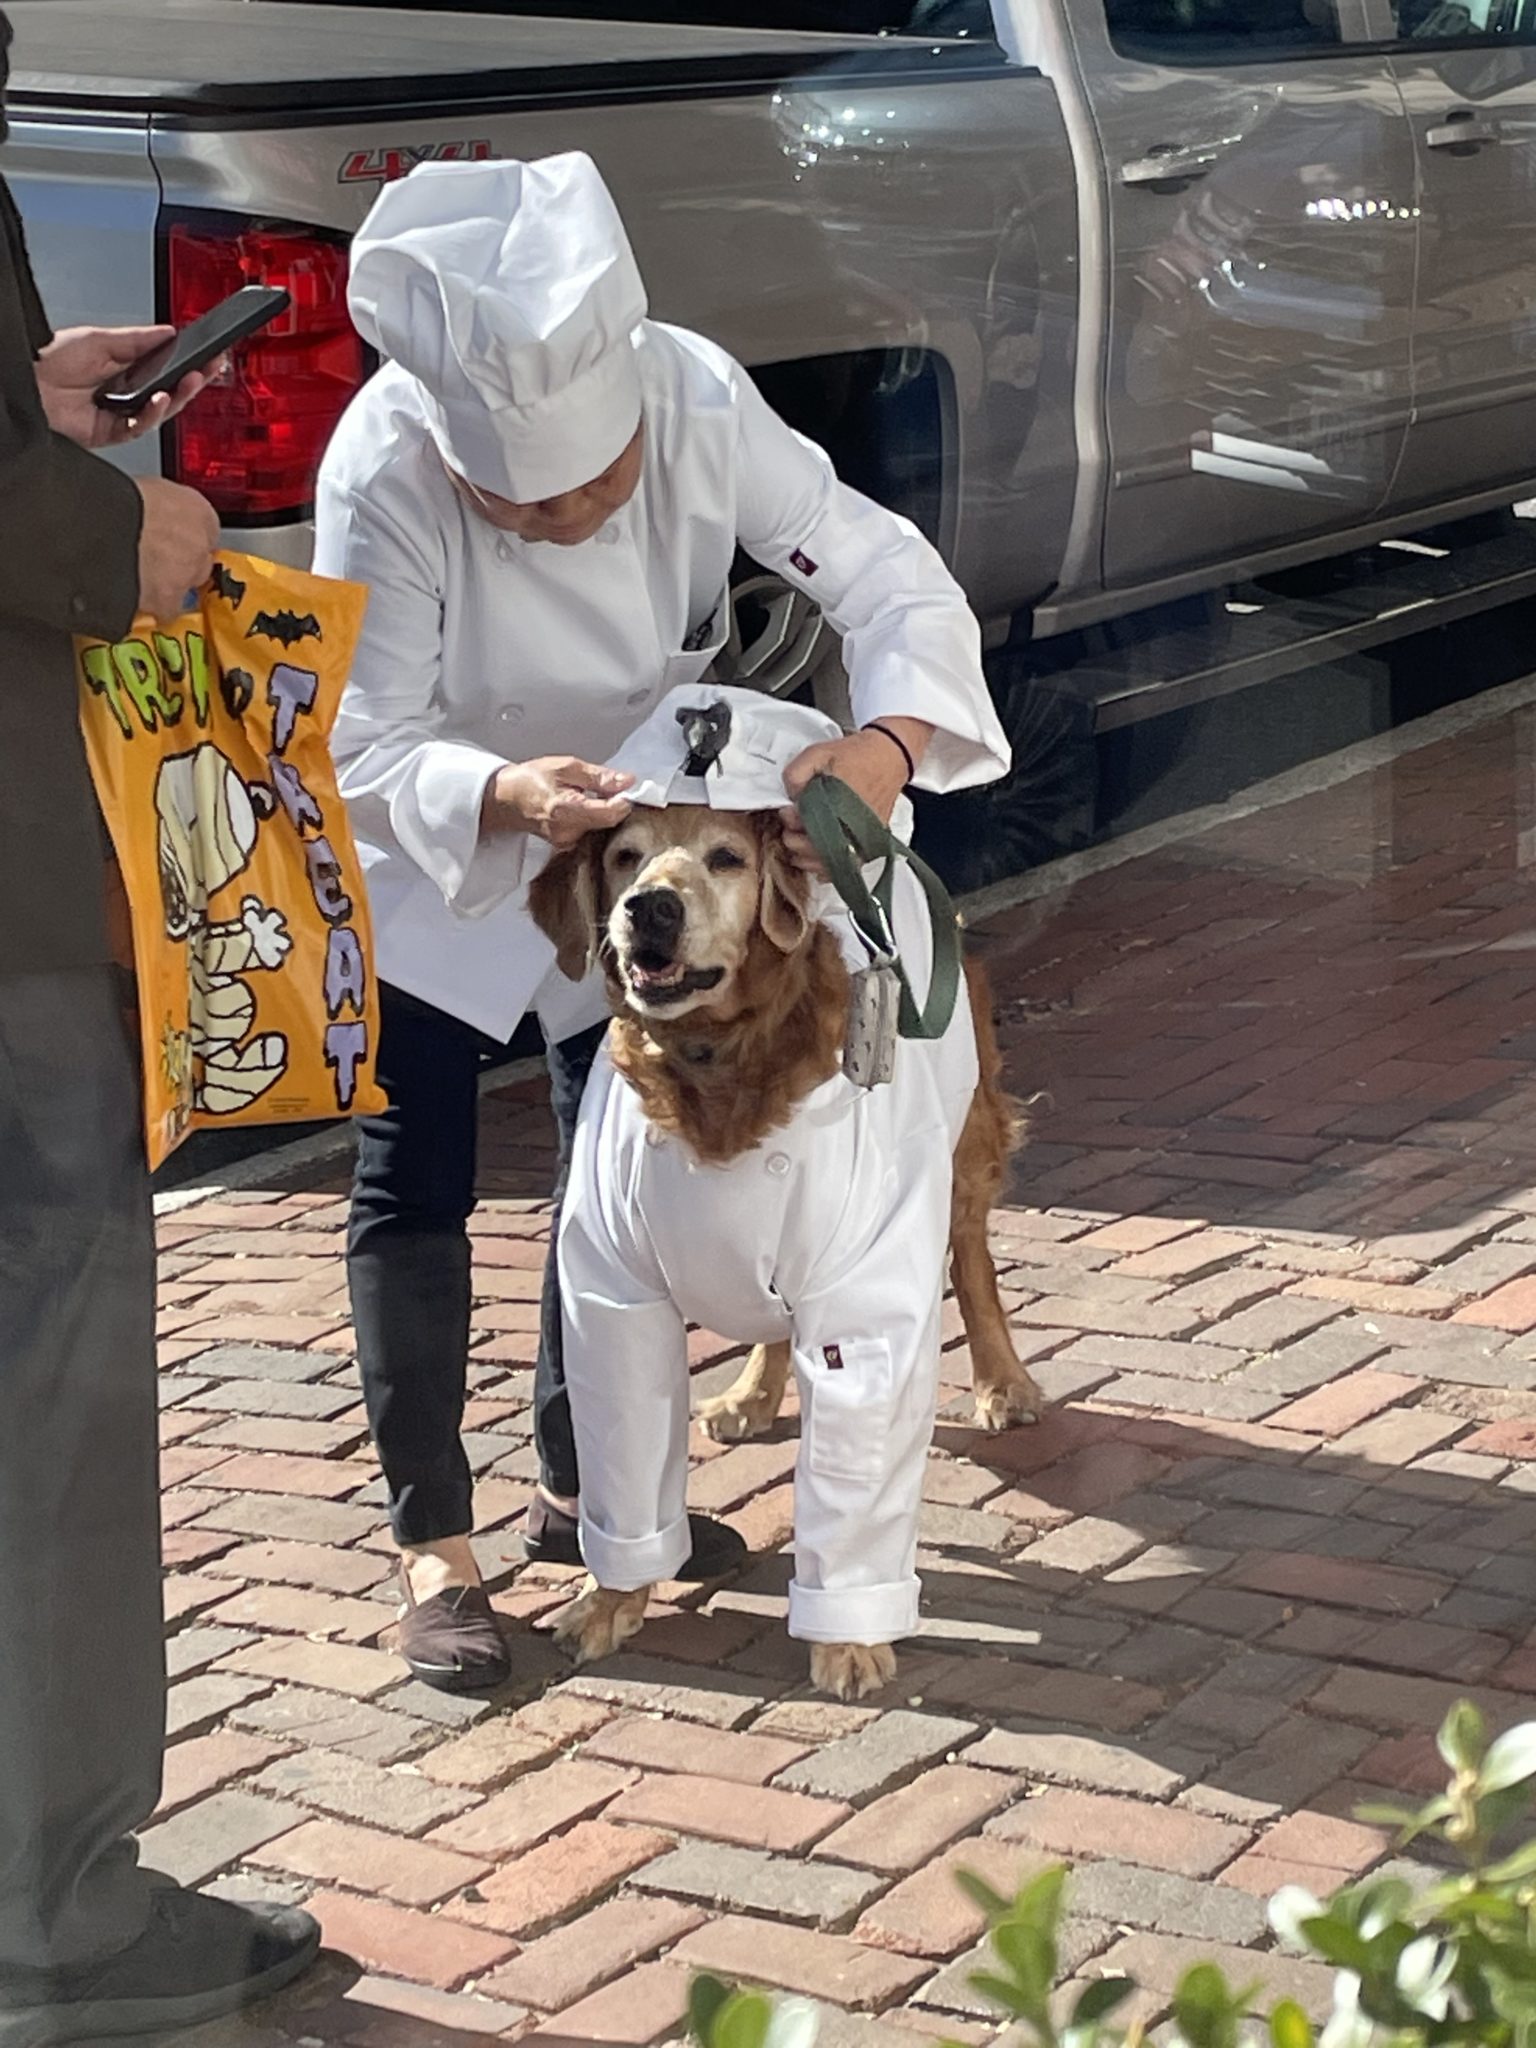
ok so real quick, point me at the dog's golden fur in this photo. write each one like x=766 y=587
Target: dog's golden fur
x=720 y=1078
x=723 y=1085
x=733 y=1064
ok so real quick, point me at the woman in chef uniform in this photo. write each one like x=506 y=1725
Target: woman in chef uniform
x=545 y=490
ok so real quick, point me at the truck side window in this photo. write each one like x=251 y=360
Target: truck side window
x=1465 y=21
x=1185 y=32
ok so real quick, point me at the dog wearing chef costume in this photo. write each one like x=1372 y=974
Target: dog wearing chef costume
x=547 y=491
x=813 y=1216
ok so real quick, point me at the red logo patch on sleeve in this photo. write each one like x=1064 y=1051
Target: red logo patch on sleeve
x=833 y=1354
x=801 y=560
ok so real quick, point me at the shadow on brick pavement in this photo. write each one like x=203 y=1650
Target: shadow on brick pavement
x=1271 y=1250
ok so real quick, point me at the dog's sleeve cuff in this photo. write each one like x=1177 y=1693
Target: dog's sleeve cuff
x=623 y=1564
x=853 y=1614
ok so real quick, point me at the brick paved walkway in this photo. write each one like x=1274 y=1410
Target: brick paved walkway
x=1273 y=1249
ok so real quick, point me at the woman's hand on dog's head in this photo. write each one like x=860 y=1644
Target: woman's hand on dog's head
x=559 y=798
x=872 y=765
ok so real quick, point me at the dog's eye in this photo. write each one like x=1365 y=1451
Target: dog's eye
x=722 y=859
x=626 y=859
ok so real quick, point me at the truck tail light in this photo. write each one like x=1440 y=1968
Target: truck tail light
x=253 y=442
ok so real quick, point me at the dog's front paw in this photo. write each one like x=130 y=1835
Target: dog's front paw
x=600 y=1622
x=732 y=1417
x=1009 y=1404
x=852 y=1671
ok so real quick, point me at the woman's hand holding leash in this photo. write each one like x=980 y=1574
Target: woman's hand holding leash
x=876 y=763
x=558 y=798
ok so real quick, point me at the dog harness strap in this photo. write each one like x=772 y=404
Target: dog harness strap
x=848 y=836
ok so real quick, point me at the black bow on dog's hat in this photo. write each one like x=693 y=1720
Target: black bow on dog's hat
x=706 y=732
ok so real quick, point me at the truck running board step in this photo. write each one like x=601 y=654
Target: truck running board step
x=1209 y=646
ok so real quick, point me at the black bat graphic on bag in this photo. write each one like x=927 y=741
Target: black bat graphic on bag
x=285 y=627
x=224 y=584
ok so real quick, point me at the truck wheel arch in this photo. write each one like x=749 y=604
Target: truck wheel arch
x=886 y=417
x=889 y=420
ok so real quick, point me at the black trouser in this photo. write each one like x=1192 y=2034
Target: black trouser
x=408 y=1263
x=82 y=1668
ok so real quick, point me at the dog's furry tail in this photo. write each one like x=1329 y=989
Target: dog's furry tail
x=1013 y=1110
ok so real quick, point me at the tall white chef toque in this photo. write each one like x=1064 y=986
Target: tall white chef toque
x=510 y=292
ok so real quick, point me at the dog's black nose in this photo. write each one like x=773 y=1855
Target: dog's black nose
x=656 y=917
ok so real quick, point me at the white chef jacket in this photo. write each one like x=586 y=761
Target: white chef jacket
x=479 y=649
x=832 y=1233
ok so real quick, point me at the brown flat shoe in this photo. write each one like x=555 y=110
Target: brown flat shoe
x=453 y=1641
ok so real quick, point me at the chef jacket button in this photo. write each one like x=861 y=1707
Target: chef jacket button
x=778 y=1163
x=504 y=549
x=653 y=1136
x=512 y=714
x=607 y=535
x=637 y=697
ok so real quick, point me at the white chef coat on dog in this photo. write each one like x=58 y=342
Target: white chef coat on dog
x=832 y=1233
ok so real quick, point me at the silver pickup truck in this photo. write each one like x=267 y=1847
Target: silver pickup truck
x=1121 y=300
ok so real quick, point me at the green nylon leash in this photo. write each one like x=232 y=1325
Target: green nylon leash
x=849 y=837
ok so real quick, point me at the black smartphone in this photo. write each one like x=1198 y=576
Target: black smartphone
x=194 y=348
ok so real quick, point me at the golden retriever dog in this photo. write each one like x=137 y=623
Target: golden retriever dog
x=730 y=1005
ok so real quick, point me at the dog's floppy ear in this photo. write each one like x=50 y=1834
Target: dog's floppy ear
x=784 y=908
x=564 y=902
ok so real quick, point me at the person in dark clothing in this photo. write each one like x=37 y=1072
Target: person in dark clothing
x=91 y=1946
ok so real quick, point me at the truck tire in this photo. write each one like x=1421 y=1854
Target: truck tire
x=777 y=641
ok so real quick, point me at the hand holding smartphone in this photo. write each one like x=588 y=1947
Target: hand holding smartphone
x=194 y=348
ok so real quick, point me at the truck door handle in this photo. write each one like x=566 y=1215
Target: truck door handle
x=1462 y=132
x=1168 y=166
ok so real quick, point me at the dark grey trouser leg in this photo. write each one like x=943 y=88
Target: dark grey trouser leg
x=408 y=1263
x=82 y=1670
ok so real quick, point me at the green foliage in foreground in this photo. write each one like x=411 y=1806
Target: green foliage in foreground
x=1448 y=1964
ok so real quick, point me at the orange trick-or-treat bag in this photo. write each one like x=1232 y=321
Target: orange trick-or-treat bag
x=209 y=745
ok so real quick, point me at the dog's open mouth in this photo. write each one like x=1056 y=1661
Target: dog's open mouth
x=659 y=982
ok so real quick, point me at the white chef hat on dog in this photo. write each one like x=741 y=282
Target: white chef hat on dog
x=706 y=743
x=728 y=748
x=510 y=292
